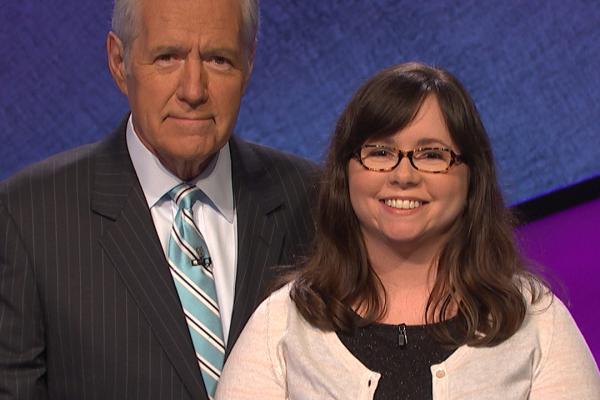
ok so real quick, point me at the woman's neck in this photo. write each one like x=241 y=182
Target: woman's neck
x=407 y=290
x=408 y=278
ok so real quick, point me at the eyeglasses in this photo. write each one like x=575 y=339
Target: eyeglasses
x=380 y=158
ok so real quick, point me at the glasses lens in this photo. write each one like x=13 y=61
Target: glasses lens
x=432 y=160
x=378 y=158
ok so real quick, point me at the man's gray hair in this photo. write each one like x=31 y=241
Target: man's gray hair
x=124 y=22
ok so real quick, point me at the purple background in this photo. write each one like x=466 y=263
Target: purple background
x=567 y=244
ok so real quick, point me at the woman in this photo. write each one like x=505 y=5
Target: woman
x=415 y=288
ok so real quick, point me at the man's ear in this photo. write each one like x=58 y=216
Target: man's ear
x=116 y=60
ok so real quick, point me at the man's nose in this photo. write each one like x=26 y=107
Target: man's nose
x=193 y=85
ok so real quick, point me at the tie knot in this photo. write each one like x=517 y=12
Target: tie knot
x=185 y=195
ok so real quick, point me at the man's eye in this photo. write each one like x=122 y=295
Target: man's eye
x=219 y=62
x=165 y=59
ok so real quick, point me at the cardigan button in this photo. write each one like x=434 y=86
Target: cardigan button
x=440 y=373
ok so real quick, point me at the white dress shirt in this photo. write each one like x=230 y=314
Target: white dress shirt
x=214 y=215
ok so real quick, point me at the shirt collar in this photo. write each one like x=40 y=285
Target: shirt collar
x=156 y=180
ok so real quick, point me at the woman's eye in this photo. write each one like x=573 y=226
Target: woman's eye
x=380 y=152
x=431 y=155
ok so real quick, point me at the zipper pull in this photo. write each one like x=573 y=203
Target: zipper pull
x=402 y=338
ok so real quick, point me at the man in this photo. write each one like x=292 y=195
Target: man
x=93 y=301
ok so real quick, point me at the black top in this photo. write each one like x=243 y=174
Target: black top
x=401 y=354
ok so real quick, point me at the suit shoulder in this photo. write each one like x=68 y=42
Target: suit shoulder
x=45 y=183
x=51 y=168
x=69 y=165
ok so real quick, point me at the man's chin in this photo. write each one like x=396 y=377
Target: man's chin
x=189 y=163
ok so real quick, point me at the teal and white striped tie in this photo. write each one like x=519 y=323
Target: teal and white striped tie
x=192 y=271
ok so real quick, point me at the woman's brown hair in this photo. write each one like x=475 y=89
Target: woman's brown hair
x=479 y=268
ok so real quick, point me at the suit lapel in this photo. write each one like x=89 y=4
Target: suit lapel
x=260 y=239
x=132 y=244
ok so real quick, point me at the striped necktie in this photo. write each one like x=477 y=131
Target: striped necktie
x=192 y=272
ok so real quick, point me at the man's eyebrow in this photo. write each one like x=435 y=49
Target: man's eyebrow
x=160 y=49
x=227 y=51
x=209 y=51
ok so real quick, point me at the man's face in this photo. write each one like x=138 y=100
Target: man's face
x=185 y=75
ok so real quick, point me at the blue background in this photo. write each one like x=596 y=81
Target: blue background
x=531 y=66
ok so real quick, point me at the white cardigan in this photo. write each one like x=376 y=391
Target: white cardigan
x=281 y=356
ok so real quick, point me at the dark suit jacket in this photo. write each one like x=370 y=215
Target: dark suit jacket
x=88 y=308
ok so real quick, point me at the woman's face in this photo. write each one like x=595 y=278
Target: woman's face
x=407 y=207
